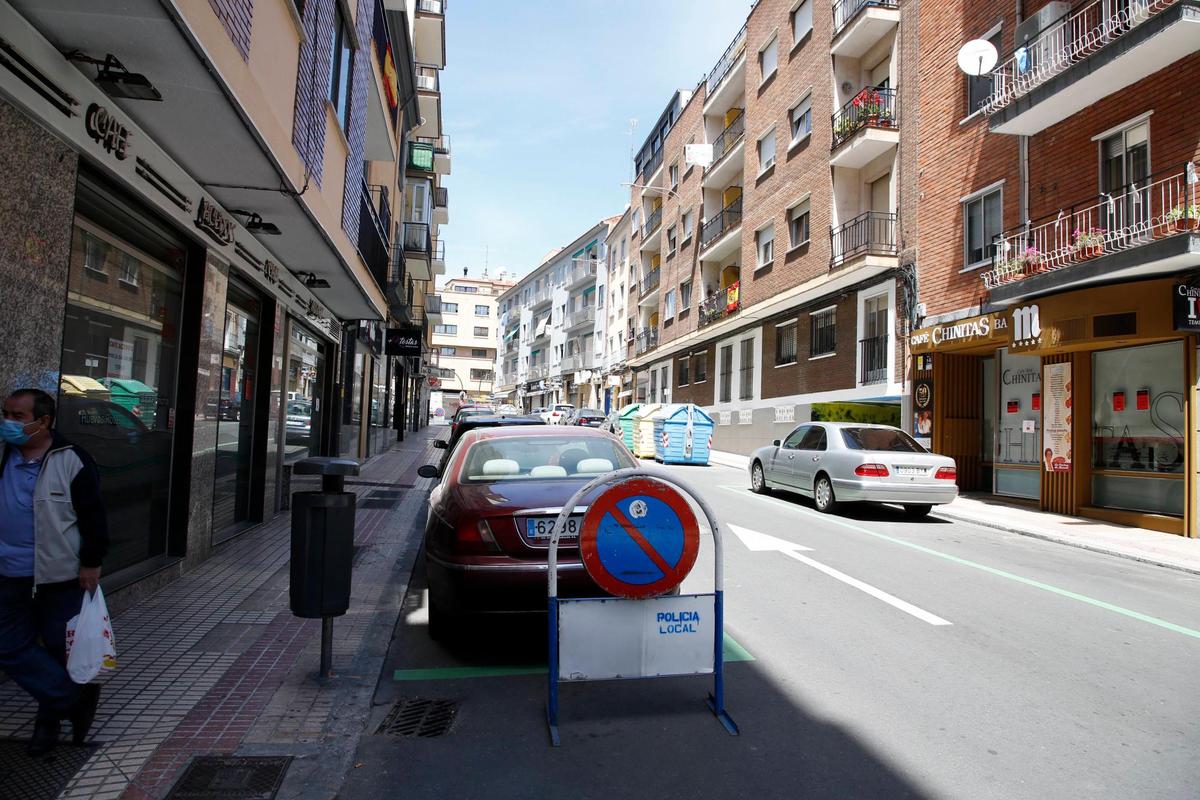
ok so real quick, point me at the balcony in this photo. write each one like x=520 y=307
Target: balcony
x=865 y=128
x=651 y=166
x=1145 y=229
x=859 y=24
x=577 y=361
x=433 y=308
x=437 y=257
x=583 y=270
x=537 y=372
x=648 y=288
x=873 y=360
x=539 y=297
x=721 y=304
x=441 y=205
x=580 y=317
x=420 y=156
x=372 y=242
x=418 y=249
x=441 y=153
x=730 y=60
x=429 y=101
x=727 y=155
x=718 y=236
x=869 y=234
x=653 y=221
x=1077 y=59
x=429 y=31
x=647 y=340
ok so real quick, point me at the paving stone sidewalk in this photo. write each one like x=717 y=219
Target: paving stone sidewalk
x=216 y=664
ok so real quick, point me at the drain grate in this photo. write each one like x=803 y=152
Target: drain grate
x=38 y=778
x=230 y=778
x=382 y=498
x=419 y=717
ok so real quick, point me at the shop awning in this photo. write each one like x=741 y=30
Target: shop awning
x=626 y=393
x=501 y=395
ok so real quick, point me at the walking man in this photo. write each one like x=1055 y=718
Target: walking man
x=53 y=535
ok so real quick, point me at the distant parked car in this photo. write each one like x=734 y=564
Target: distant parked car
x=558 y=414
x=588 y=417
x=841 y=462
x=468 y=411
x=299 y=421
x=612 y=423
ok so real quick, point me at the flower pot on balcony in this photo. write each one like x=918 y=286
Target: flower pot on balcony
x=1088 y=252
x=1184 y=224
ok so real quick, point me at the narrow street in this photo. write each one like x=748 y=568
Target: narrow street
x=870 y=656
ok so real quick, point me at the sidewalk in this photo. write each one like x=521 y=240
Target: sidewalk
x=215 y=663
x=1151 y=547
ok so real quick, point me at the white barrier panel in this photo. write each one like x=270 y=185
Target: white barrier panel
x=604 y=638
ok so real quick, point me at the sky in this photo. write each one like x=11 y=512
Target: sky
x=537 y=101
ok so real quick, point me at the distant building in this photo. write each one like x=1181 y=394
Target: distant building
x=464 y=318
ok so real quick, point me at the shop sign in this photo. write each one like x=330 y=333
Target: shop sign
x=1056 y=420
x=1026 y=326
x=923 y=408
x=214 y=222
x=1185 y=307
x=107 y=131
x=967 y=332
x=403 y=342
x=271 y=271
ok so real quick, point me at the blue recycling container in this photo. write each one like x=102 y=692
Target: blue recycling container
x=682 y=435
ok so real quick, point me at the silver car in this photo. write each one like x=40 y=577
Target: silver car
x=846 y=462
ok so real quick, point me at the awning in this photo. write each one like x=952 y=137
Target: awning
x=626 y=393
x=501 y=395
x=541 y=328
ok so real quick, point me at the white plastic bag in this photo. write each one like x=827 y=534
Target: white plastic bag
x=91 y=648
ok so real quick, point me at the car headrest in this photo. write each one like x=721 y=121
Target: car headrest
x=548 y=471
x=593 y=466
x=501 y=466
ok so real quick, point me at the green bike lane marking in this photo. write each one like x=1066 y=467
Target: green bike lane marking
x=733 y=652
x=1046 y=587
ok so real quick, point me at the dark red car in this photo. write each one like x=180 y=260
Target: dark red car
x=490 y=517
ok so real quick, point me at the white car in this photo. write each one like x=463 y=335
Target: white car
x=559 y=413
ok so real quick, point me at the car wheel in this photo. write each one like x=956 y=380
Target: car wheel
x=823 y=495
x=917 y=511
x=758 y=479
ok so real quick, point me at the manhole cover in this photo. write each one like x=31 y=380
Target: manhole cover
x=38 y=778
x=419 y=717
x=230 y=778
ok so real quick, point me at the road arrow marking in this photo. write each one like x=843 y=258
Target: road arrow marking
x=758 y=542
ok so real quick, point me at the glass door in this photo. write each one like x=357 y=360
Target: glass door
x=1124 y=173
x=305 y=403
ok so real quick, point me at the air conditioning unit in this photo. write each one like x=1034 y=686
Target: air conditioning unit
x=1041 y=19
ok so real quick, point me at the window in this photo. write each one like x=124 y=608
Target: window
x=766 y=152
x=801 y=116
x=685 y=296
x=623 y=244
x=481 y=311
x=801 y=21
x=449 y=308
x=793 y=440
x=798 y=227
x=785 y=344
x=746 y=384
x=726 y=374
x=687 y=222
x=481 y=374
x=669 y=304
x=982 y=223
x=467 y=289
x=814 y=439
x=699 y=367
x=478 y=352
x=683 y=371
x=672 y=244
x=980 y=86
x=764 y=242
x=481 y=331
x=95 y=253
x=341 y=68
x=636 y=215
x=768 y=59
x=823 y=340
x=448 y=351
x=131 y=268
x=674 y=173
x=450 y=330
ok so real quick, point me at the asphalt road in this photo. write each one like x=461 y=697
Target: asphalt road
x=891 y=658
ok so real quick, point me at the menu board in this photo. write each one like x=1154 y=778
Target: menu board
x=1056 y=422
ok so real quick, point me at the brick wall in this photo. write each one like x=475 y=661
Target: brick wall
x=683 y=265
x=238 y=17
x=823 y=374
x=701 y=393
x=312 y=79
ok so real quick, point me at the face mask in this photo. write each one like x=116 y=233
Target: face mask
x=13 y=432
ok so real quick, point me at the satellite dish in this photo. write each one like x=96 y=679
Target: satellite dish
x=977 y=57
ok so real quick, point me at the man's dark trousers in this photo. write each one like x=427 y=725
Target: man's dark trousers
x=39 y=668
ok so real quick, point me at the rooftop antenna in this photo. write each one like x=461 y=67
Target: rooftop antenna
x=632 y=128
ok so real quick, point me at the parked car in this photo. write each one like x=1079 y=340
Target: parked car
x=468 y=411
x=299 y=421
x=588 y=417
x=476 y=422
x=490 y=519
x=842 y=462
x=612 y=423
x=558 y=414
x=508 y=408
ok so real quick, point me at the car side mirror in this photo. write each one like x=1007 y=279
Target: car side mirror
x=427 y=471
x=776 y=443
x=440 y=444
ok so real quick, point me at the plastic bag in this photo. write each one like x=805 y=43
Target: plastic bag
x=91 y=647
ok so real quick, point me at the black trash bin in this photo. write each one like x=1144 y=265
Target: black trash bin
x=322 y=540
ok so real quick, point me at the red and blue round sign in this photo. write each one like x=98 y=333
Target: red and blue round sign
x=639 y=539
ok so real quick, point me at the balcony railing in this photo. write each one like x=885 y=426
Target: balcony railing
x=576 y=361
x=652 y=223
x=432 y=7
x=726 y=62
x=721 y=304
x=437 y=250
x=433 y=305
x=539 y=296
x=872 y=356
x=416 y=238
x=580 y=316
x=726 y=220
x=582 y=269
x=1163 y=205
x=441 y=197
x=872 y=233
x=1067 y=40
x=372 y=241
x=428 y=79
x=870 y=108
x=650 y=282
x=420 y=156
x=732 y=134
x=440 y=144
x=537 y=371
x=844 y=11
x=647 y=339
x=652 y=164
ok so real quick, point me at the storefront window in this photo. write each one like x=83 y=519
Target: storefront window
x=118 y=384
x=1138 y=426
x=305 y=377
x=233 y=486
x=1018 y=426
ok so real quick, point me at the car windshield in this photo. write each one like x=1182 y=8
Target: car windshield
x=542 y=458
x=299 y=409
x=880 y=440
x=471 y=412
x=564 y=408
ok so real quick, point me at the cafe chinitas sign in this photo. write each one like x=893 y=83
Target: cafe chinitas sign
x=961 y=334
x=215 y=222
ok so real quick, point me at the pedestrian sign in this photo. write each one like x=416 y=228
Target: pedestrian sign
x=639 y=539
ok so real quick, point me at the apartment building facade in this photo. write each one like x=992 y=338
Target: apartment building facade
x=615 y=281
x=1058 y=254
x=771 y=283
x=465 y=334
x=217 y=201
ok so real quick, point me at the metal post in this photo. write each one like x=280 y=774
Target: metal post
x=326 y=647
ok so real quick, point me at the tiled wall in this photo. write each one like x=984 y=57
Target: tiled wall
x=312 y=76
x=238 y=17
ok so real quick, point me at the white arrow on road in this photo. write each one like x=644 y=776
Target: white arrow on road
x=758 y=542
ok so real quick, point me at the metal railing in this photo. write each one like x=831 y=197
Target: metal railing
x=727 y=219
x=437 y=250
x=726 y=62
x=650 y=282
x=652 y=223
x=1163 y=205
x=576 y=361
x=647 y=339
x=870 y=108
x=872 y=233
x=872 y=356
x=441 y=197
x=580 y=316
x=720 y=304
x=652 y=164
x=372 y=240
x=582 y=269
x=433 y=304
x=440 y=144
x=539 y=296
x=537 y=371
x=727 y=138
x=1067 y=40
x=844 y=11
x=416 y=238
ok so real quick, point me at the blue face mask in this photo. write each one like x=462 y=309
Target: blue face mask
x=13 y=432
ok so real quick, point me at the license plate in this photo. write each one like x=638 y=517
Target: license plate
x=540 y=528
x=910 y=470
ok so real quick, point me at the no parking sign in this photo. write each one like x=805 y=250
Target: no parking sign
x=639 y=540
